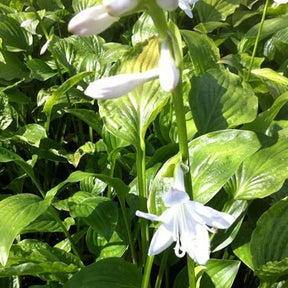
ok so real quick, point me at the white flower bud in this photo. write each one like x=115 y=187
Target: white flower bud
x=168 y=72
x=119 y=7
x=119 y=85
x=168 y=5
x=281 y=1
x=91 y=21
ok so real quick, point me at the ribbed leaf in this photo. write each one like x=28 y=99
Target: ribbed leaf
x=203 y=51
x=16 y=212
x=128 y=117
x=218 y=100
x=262 y=173
x=269 y=246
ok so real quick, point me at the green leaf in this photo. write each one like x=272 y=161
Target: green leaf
x=128 y=117
x=90 y=117
x=107 y=273
x=261 y=174
x=215 y=157
x=264 y=119
x=269 y=246
x=35 y=258
x=99 y=212
x=40 y=70
x=218 y=100
x=270 y=74
x=14 y=38
x=203 y=52
x=216 y=10
x=120 y=187
x=16 y=212
x=221 y=272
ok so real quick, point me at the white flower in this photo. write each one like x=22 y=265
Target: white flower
x=185 y=222
x=118 y=8
x=45 y=47
x=168 y=72
x=93 y=20
x=168 y=5
x=27 y=23
x=119 y=85
x=185 y=5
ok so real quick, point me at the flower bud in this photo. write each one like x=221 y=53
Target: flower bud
x=93 y=20
x=119 y=7
x=168 y=72
x=168 y=5
x=118 y=85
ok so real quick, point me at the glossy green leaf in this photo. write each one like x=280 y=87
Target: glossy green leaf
x=269 y=246
x=35 y=258
x=128 y=117
x=16 y=212
x=203 y=52
x=216 y=10
x=107 y=273
x=215 y=157
x=221 y=272
x=14 y=38
x=261 y=174
x=218 y=100
x=99 y=212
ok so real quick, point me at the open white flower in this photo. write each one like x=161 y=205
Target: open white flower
x=93 y=20
x=185 y=222
x=119 y=85
x=168 y=5
x=187 y=5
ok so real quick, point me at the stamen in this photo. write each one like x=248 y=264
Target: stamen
x=178 y=248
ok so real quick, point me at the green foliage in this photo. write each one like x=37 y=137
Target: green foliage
x=74 y=170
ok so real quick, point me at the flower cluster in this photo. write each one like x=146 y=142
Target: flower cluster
x=95 y=20
x=186 y=223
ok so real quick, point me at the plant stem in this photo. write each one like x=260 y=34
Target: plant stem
x=162 y=269
x=257 y=39
x=128 y=228
x=147 y=272
x=191 y=272
x=141 y=174
x=182 y=134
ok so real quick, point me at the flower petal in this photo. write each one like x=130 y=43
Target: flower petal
x=210 y=216
x=147 y=216
x=168 y=72
x=118 y=85
x=161 y=240
x=197 y=246
x=117 y=8
x=93 y=20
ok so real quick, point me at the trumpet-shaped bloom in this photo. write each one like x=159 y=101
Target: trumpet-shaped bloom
x=185 y=5
x=168 y=72
x=93 y=20
x=281 y=1
x=119 y=85
x=186 y=223
x=118 y=8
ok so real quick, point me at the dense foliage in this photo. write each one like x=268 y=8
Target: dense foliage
x=74 y=170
